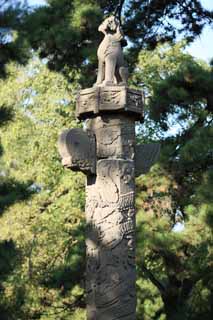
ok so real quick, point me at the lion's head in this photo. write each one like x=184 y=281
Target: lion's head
x=109 y=25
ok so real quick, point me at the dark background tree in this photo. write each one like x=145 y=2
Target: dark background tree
x=175 y=199
x=13 y=43
x=65 y=31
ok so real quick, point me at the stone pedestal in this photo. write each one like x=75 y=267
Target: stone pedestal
x=106 y=152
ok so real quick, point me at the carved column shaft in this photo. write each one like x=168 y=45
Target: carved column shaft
x=110 y=215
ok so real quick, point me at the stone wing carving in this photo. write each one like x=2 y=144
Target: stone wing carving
x=78 y=150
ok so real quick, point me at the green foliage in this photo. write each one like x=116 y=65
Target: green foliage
x=179 y=189
x=41 y=203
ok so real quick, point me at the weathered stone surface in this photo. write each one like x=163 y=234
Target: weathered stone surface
x=145 y=156
x=78 y=150
x=115 y=136
x=111 y=66
x=87 y=103
x=117 y=99
x=110 y=215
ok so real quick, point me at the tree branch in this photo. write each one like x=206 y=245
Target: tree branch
x=118 y=10
x=153 y=279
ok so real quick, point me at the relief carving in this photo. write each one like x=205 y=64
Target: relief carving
x=99 y=100
x=111 y=238
x=113 y=98
x=87 y=101
x=115 y=137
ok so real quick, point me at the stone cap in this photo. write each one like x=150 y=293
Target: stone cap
x=109 y=99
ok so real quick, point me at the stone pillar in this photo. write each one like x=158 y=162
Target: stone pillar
x=110 y=216
x=107 y=153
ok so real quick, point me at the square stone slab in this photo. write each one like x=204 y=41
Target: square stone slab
x=109 y=99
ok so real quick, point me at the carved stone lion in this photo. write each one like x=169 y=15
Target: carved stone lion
x=111 y=66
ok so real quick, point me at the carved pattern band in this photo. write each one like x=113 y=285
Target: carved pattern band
x=114 y=99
